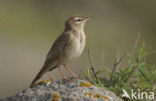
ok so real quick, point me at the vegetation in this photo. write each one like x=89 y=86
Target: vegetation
x=139 y=73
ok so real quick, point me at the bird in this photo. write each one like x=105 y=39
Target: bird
x=67 y=46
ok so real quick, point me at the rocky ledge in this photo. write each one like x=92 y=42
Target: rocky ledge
x=61 y=90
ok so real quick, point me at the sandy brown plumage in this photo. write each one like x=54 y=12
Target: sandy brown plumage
x=67 y=46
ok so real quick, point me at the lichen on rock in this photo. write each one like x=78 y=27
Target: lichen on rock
x=44 y=81
x=56 y=96
x=62 y=90
x=85 y=84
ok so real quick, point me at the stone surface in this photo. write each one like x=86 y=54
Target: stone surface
x=73 y=90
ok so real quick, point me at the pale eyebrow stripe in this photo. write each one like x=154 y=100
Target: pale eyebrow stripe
x=77 y=18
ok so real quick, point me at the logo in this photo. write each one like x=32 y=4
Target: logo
x=138 y=94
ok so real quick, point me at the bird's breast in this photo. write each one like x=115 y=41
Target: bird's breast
x=78 y=44
x=74 y=48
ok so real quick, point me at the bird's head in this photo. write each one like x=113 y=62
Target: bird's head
x=76 y=22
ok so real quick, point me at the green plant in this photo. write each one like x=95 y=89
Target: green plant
x=138 y=74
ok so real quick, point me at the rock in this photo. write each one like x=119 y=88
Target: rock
x=61 y=90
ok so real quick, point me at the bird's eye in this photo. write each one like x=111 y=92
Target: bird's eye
x=79 y=20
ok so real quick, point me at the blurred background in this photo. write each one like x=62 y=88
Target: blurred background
x=29 y=27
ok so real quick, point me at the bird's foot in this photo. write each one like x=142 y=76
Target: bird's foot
x=65 y=79
x=70 y=79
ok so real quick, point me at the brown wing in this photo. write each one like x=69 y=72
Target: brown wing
x=57 y=48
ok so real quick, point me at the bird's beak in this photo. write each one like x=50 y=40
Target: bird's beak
x=87 y=18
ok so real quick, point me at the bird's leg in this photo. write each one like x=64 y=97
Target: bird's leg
x=69 y=70
x=62 y=74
